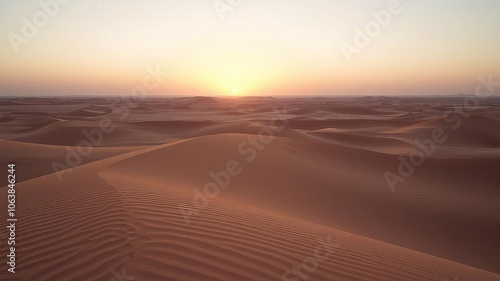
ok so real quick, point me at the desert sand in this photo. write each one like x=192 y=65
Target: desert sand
x=283 y=174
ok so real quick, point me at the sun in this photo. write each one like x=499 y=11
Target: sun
x=235 y=91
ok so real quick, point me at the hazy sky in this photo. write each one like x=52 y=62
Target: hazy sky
x=258 y=47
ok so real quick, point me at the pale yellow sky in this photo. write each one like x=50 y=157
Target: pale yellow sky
x=256 y=47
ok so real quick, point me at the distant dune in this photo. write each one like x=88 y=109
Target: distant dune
x=201 y=100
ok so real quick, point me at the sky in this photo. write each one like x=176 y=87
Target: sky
x=248 y=47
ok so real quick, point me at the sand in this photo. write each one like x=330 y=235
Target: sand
x=138 y=203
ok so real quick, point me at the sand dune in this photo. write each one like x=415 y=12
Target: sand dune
x=329 y=184
x=136 y=202
x=35 y=160
x=102 y=216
